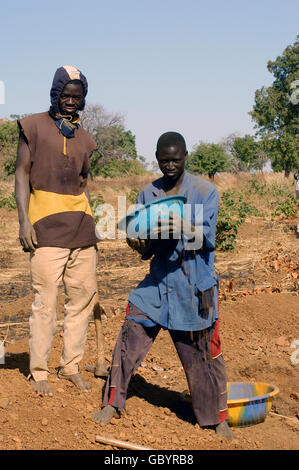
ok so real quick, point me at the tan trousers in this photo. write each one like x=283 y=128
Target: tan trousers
x=76 y=268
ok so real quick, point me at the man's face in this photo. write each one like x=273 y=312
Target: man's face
x=71 y=98
x=171 y=161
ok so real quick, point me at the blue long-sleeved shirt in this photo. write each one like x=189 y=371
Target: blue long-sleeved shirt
x=180 y=292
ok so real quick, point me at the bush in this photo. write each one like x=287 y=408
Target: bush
x=254 y=186
x=226 y=231
x=8 y=202
x=9 y=165
x=95 y=201
x=286 y=208
x=208 y=159
x=132 y=195
x=9 y=135
x=232 y=213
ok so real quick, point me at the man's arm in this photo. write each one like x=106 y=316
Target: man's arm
x=27 y=234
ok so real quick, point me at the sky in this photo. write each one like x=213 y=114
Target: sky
x=189 y=66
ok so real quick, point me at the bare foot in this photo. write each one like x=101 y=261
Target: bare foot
x=41 y=387
x=77 y=380
x=105 y=415
x=224 y=430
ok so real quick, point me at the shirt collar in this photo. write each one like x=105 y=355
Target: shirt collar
x=158 y=187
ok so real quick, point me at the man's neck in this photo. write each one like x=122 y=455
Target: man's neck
x=72 y=118
x=172 y=187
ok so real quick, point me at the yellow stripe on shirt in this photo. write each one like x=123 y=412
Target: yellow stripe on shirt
x=44 y=203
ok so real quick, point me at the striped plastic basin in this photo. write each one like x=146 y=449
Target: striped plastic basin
x=141 y=221
x=248 y=402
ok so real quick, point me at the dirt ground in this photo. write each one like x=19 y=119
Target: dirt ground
x=259 y=324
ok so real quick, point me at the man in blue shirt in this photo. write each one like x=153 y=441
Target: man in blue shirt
x=179 y=294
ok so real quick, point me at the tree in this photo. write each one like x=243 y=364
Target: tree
x=228 y=144
x=95 y=117
x=208 y=159
x=9 y=135
x=262 y=157
x=275 y=111
x=250 y=152
x=113 y=144
x=116 y=153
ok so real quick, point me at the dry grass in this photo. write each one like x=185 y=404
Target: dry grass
x=129 y=181
x=225 y=181
x=111 y=188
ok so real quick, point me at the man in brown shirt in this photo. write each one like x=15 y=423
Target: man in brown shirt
x=56 y=225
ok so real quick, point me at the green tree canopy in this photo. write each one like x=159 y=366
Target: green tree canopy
x=275 y=111
x=114 y=145
x=208 y=159
x=250 y=152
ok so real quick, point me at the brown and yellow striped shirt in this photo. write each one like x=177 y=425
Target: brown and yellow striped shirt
x=58 y=207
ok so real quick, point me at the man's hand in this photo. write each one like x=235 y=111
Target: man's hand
x=168 y=228
x=175 y=226
x=27 y=236
x=142 y=246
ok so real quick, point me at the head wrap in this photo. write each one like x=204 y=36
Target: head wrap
x=62 y=77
